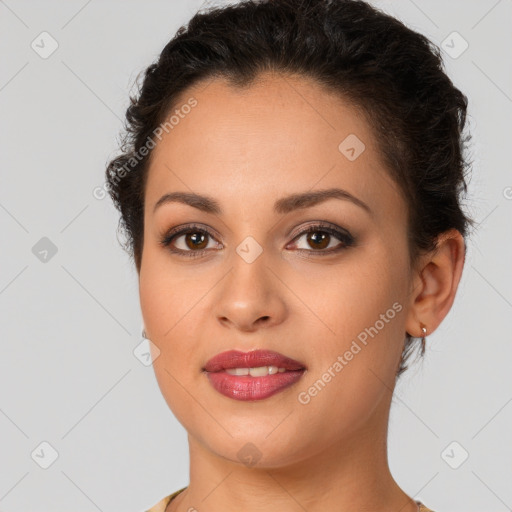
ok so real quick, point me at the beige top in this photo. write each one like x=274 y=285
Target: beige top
x=162 y=504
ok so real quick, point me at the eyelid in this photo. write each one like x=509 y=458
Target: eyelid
x=319 y=224
x=184 y=228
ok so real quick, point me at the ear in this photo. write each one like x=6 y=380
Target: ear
x=435 y=283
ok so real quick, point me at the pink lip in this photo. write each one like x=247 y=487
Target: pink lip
x=253 y=359
x=245 y=387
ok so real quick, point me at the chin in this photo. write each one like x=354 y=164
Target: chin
x=259 y=448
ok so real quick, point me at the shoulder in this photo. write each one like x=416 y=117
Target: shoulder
x=162 y=504
x=423 y=508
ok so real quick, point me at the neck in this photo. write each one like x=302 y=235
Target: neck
x=353 y=474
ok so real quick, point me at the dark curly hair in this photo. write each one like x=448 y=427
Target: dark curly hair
x=391 y=74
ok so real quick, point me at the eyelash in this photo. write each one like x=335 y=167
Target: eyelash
x=345 y=238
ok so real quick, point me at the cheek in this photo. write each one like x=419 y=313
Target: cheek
x=362 y=305
x=353 y=370
x=359 y=299
x=173 y=308
x=166 y=296
x=167 y=308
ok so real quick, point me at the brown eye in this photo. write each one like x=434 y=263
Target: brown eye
x=195 y=240
x=319 y=238
x=190 y=241
x=323 y=239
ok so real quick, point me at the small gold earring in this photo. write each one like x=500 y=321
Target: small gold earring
x=424 y=331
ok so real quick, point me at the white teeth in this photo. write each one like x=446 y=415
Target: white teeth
x=238 y=371
x=260 y=371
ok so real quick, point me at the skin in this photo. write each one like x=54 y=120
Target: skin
x=247 y=149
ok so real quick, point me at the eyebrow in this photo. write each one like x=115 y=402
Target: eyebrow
x=283 y=206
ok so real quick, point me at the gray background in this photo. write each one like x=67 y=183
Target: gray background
x=70 y=323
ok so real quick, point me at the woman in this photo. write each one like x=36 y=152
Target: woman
x=290 y=189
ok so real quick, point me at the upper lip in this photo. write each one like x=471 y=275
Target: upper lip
x=253 y=359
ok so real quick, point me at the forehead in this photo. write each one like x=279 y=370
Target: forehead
x=282 y=134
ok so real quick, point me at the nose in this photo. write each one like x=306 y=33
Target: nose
x=250 y=297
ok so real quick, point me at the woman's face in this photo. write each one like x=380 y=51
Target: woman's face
x=336 y=303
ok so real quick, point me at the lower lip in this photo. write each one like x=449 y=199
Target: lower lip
x=245 y=387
